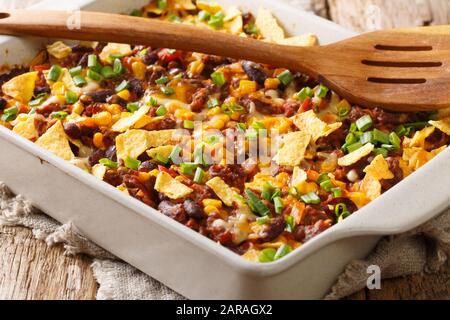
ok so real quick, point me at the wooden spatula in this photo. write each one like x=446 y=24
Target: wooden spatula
x=399 y=70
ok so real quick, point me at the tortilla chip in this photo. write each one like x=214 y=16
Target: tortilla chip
x=293 y=150
x=126 y=123
x=59 y=50
x=371 y=187
x=356 y=155
x=298 y=177
x=268 y=26
x=133 y=143
x=235 y=26
x=27 y=128
x=232 y=13
x=209 y=6
x=184 y=5
x=55 y=140
x=223 y=191
x=418 y=140
x=379 y=168
x=67 y=79
x=99 y=171
x=305 y=40
x=261 y=179
x=310 y=123
x=119 y=49
x=170 y=187
x=164 y=151
x=21 y=87
x=418 y=157
x=443 y=125
x=123 y=188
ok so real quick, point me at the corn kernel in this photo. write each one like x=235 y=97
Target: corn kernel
x=225 y=118
x=247 y=87
x=102 y=118
x=114 y=108
x=144 y=176
x=214 y=111
x=211 y=209
x=216 y=124
x=184 y=114
x=212 y=202
x=58 y=88
x=124 y=94
x=154 y=172
x=22 y=117
x=139 y=70
x=116 y=118
x=98 y=140
x=307 y=187
x=236 y=115
x=271 y=83
x=78 y=108
x=196 y=67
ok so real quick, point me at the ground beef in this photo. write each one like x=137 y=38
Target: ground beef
x=386 y=118
x=356 y=113
x=272 y=229
x=199 y=99
x=305 y=233
x=314 y=213
x=234 y=175
x=291 y=108
x=174 y=211
x=201 y=192
x=333 y=141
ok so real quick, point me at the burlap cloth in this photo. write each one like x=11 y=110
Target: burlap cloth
x=425 y=249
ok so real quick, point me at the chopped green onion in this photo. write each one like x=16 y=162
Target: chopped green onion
x=213 y=103
x=336 y=192
x=60 y=115
x=54 y=73
x=285 y=77
x=174 y=18
x=218 y=78
x=161 y=111
x=256 y=204
x=323 y=177
x=71 y=97
x=279 y=206
x=381 y=151
x=262 y=220
x=160 y=158
x=199 y=176
x=343 y=111
x=217 y=21
x=188 y=168
x=108 y=163
x=204 y=15
x=380 y=136
x=367 y=137
x=39 y=100
x=311 y=198
x=230 y=109
x=118 y=67
x=267 y=191
x=122 y=86
x=282 y=251
x=94 y=75
x=76 y=71
x=188 y=124
x=394 y=140
x=133 y=106
x=389 y=147
x=241 y=126
x=162 y=80
x=322 y=91
x=293 y=192
x=327 y=185
x=79 y=81
x=251 y=29
x=93 y=63
x=152 y=101
x=401 y=131
x=290 y=223
x=306 y=92
x=340 y=208
x=10 y=114
x=162 y=4
x=198 y=154
x=364 y=123
x=354 y=147
x=351 y=138
x=142 y=53
x=168 y=91
x=353 y=128
x=267 y=255
x=175 y=154
x=132 y=163
x=136 y=13
x=108 y=72
x=212 y=139
x=258 y=126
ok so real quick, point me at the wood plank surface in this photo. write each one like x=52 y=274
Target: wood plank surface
x=31 y=270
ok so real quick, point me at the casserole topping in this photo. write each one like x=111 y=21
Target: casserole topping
x=257 y=158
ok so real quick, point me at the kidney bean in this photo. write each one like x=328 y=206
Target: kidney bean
x=11 y=74
x=174 y=211
x=110 y=153
x=273 y=229
x=3 y=103
x=72 y=130
x=136 y=87
x=151 y=57
x=95 y=157
x=100 y=96
x=254 y=71
x=193 y=209
x=306 y=233
x=148 y=166
x=233 y=175
x=394 y=167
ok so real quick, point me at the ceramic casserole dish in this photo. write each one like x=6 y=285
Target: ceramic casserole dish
x=182 y=259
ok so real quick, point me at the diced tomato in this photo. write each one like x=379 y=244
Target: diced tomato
x=127 y=62
x=24 y=109
x=306 y=105
x=41 y=67
x=168 y=55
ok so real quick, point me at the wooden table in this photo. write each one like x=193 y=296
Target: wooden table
x=31 y=270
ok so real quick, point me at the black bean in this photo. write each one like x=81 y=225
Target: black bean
x=273 y=229
x=13 y=73
x=254 y=71
x=100 y=96
x=41 y=89
x=3 y=103
x=95 y=157
x=193 y=209
x=81 y=48
x=148 y=166
x=136 y=87
x=111 y=153
x=150 y=57
x=72 y=130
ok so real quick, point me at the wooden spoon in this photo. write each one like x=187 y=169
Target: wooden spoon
x=399 y=70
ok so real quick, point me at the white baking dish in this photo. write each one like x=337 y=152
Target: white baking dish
x=179 y=257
